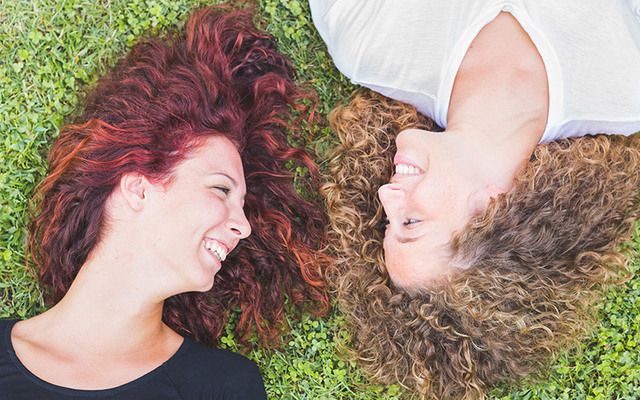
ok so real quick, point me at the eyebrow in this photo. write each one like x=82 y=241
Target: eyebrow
x=408 y=240
x=235 y=183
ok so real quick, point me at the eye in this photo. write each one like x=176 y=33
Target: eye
x=410 y=221
x=225 y=190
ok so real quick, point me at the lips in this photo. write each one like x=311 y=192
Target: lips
x=405 y=166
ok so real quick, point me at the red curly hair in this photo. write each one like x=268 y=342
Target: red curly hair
x=221 y=77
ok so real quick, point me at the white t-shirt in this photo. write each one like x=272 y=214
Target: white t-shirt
x=411 y=50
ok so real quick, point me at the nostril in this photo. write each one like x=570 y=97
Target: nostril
x=390 y=193
x=391 y=186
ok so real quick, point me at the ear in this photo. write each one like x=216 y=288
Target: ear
x=134 y=187
x=493 y=191
x=480 y=199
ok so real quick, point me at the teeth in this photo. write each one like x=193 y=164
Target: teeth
x=217 y=249
x=404 y=169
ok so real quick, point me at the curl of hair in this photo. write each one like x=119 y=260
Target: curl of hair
x=540 y=255
x=222 y=76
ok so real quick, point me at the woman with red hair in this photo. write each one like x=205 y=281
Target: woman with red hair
x=145 y=232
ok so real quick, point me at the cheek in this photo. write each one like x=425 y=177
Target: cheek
x=213 y=211
x=441 y=192
x=429 y=198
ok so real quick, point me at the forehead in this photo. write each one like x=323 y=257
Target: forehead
x=417 y=263
x=215 y=154
x=216 y=150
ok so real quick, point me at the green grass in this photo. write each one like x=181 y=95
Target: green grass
x=51 y=50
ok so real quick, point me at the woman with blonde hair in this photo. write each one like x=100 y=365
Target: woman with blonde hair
x=472 y=242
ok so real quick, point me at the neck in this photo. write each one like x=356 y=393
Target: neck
x=109 y=305
x=497 y=153
x=500 y=99
x=505 y=116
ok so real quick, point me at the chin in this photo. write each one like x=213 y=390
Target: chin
x=203 y=280
x=207 y=287
x=204 y=274
x=207 y=280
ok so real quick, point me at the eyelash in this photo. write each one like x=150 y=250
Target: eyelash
x=223 y=189
x=409 y=221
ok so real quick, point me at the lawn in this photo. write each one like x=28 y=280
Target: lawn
x=50 y=50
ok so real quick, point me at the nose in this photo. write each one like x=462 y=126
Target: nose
x=392 y=196
x=239 y=224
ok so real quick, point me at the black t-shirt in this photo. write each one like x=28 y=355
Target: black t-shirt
x=195 y=372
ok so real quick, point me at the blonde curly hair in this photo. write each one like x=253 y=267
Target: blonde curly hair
x=539 y=255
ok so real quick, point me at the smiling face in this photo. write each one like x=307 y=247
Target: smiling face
x=432 y=194
x=197 y=219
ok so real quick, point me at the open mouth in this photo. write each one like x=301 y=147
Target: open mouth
x=216 y=248
x=406 y=169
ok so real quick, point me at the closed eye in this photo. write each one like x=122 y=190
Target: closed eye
x=225 y=190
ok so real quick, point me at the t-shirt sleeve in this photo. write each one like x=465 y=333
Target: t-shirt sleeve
x=635 y=6
x=210 y=374
x=237 y=380
x=252 y=386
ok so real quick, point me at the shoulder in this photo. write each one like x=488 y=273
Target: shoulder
x=5 y=329
x=202 y=372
